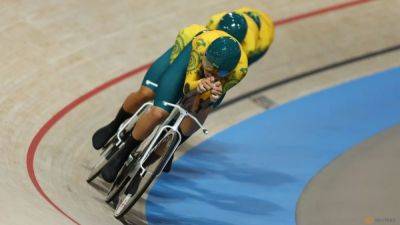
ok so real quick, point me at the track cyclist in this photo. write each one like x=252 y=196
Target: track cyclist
x=253 y=28
x=255 y=31
x=208 y=65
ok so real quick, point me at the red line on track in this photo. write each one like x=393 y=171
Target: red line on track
x=30 y=156
x=320 y=11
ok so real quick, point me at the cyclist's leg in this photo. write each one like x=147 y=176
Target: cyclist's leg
x=134 y=101
x=189 y=127
x=151 y=79
x=169 y=89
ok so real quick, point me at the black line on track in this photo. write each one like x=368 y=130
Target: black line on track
x=309 y=73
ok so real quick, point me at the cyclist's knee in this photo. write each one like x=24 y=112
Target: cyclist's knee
x=146 y=94
x=184 y=135
x=158 y=114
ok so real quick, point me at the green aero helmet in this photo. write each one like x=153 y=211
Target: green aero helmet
x=233 y=24
x=224 y=54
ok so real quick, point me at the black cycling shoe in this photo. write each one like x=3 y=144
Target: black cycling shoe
x=134 y=185
x=110 y=171
x=102 y=135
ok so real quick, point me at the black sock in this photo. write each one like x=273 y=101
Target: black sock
x=168 y=167
x=151 y=159
x=122 y=115
x=130 y=144
x=183 y=137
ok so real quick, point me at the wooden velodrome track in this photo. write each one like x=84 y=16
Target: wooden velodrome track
x=53 y=53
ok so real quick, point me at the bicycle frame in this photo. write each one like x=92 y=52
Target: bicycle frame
x=178 y=112
x=148 y=146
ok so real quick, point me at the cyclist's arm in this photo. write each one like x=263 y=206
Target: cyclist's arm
x=192 y=78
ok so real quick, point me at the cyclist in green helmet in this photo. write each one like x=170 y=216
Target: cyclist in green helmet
x=208 y=66
x=234 y=24
x=251 y=27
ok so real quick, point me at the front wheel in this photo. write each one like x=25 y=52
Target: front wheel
x=132 y=191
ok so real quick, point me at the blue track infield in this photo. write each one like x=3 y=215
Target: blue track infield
x=254 y=172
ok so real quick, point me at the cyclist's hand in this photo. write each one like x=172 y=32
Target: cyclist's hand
x=205 y=85
x=216 y=91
